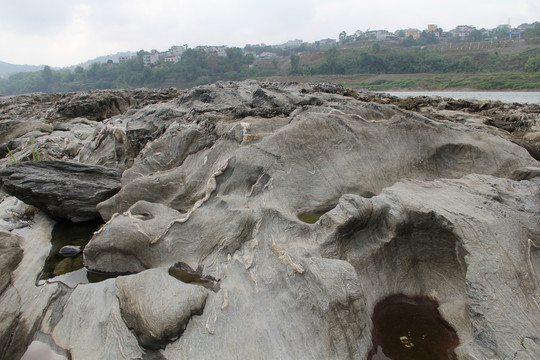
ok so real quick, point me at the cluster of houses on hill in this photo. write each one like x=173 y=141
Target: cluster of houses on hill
x=461 y=32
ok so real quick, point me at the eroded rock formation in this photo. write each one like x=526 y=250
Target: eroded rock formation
x=436 y=202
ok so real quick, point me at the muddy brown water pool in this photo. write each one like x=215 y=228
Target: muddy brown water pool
x=411 y=328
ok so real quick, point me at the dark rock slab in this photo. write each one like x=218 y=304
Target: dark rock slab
x=62 y=189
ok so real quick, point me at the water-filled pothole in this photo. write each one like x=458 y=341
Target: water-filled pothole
x=311 y=217
x=186 y=274
x=68 y=268
x=411 y=328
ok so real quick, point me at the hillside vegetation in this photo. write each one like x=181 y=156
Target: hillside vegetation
x=476 y=65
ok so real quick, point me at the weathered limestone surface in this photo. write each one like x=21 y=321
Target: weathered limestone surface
x=158 y=320
x=442 y=201
x=21 y=301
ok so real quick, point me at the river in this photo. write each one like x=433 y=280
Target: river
x=524 y=97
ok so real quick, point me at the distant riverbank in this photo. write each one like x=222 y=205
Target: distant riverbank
x=523 y=97
x=511 y=81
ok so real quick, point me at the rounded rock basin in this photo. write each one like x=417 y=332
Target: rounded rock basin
x=411 y=328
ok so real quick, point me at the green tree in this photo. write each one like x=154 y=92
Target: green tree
x=408 y=41
x=475 y=35
x=376 y=48
x=331 y=56
x=532 y=34
x=295 y=62
x=533 y=64
x=47 y=74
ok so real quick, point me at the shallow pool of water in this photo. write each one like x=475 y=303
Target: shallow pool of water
x=411 y=328
x=67 y=233
x=311 y=217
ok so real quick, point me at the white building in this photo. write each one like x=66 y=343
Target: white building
x=291 y=44
x=123 y=59
x=177 y=50
x=379 y=35
x=218 y=50
x=462 y=31
x=150 y=59
x=221 y=50
x=171 y=59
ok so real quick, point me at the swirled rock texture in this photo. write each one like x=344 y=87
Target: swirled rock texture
x=428 y=201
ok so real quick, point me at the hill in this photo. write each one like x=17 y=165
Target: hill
x=7 y=68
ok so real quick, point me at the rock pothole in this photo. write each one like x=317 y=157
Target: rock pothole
x=411 y=328
x=65 y=261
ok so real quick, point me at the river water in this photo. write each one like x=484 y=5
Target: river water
x=524 y=97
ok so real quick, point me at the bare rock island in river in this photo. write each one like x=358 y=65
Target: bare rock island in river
x=265 y=220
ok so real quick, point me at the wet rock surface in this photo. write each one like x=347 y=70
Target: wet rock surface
x=64 y=190
x=425 y=198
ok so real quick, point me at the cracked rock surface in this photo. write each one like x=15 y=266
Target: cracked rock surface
x=438 y=202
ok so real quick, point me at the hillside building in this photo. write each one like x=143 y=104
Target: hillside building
x=291 y=44
x=219 y=50
x=462 y=31
x=378 y=35
x=432 y=28
x=150 y=59
x=123 y=59
x=415 y=33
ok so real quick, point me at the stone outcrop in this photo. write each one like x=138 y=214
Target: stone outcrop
x=71 y=125
x=22 y=254
x=428 y=201
x=157 y=321
x=10 y=256
x=519 y=121
x=62 y=189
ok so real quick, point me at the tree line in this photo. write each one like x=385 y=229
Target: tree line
x=195 y=67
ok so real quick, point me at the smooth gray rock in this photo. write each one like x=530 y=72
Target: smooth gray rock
x=10 y=256
x=158 y=320
x=91 y=326
x=151 y=235
x=70 y=250
x=23 y=303
x=62 y=189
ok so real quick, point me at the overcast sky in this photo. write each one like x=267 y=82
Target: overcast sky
x=68 y=32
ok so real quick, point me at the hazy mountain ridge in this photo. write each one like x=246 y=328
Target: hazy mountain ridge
x=105 y=58
x=7 y=68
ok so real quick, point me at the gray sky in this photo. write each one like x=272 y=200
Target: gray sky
x=68 y=32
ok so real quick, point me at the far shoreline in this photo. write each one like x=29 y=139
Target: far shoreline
x=469 y=82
